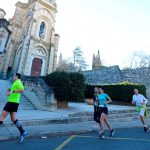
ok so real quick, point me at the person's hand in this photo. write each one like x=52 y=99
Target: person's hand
x=9 y=93
x=105 y=103
x=96 y=102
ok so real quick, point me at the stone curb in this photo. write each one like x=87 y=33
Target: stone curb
x=66 y=120
x=59 y=133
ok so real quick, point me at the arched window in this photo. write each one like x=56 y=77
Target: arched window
x=42 y=30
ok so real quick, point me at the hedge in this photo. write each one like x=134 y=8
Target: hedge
x=118 y=92
x=67 y=86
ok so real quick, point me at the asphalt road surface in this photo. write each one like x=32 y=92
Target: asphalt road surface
x=124 y=139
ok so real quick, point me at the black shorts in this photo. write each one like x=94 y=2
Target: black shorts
x=103 y=110
x=11 y=107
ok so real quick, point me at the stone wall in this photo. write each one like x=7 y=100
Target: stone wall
x=113 y=74
x=139 y=75
x=105 y=75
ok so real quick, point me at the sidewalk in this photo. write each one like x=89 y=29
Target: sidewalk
x=42 y=123
x=74 y=108
x=11 y=133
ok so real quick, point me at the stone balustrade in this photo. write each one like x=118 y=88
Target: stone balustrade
x=39 y=93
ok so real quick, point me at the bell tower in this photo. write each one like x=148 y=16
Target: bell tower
x=36 y=53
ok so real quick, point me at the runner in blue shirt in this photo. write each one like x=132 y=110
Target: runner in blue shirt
x=104 y=99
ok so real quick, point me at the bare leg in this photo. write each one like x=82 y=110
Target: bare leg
x=102 y=118
x=13 y=116
x=107 y=123
x=3 y=115
x=142 y=120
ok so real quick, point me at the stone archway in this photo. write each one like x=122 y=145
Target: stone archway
x=36 y=67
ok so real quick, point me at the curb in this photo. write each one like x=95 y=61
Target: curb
x=66 y=121
x=49 y=134
x=59 y=133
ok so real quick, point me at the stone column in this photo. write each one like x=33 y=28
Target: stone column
x=56 y=42
x=25 y=50
x=8 y=56
x=51 y=60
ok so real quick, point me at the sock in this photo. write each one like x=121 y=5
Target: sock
x=19 y=126
x=1 y=122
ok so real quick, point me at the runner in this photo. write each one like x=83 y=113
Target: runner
x=96 y=105
x=104 y=99
x=11 y=106
x=140 y=101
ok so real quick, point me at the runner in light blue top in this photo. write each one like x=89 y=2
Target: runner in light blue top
x=103 y=99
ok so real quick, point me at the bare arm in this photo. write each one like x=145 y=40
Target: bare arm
x=109 y=100
x=15 y=91
x=18 y=91
x=145 y=101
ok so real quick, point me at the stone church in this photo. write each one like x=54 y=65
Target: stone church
x=28 y=43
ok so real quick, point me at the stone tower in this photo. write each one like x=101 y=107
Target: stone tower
x=96 y=63
x=33 y=45
x=4 y=36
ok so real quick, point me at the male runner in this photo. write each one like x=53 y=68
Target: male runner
x=12 y=104
x=140 y=101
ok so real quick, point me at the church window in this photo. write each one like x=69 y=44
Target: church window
x=42 y=30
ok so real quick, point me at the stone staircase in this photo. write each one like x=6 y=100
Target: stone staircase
x=25 y=104
x=117 y=115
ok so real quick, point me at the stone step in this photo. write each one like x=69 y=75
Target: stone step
x=25 y=104
x=111 y=112
x=68 y=120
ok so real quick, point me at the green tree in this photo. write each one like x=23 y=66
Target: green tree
x=78 y=58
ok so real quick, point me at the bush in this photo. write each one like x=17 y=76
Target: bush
x=118 y=92
x=67 y=86
x=77 y=87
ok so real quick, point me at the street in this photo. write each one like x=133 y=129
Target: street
x=129 y=139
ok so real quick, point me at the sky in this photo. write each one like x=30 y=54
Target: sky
x=116 y=28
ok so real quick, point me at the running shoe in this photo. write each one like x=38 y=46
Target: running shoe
x=22 y=137
x=146 y=129
x=101 y=135
x=112 y=132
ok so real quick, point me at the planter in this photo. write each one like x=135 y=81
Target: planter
x=89 y=101
x=62 y=104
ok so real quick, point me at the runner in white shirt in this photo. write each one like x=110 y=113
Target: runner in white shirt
x=140 y=101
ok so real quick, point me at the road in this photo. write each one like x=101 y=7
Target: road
x=124 y=139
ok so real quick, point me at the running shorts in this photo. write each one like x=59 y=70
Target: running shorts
x=11 y=107
x=103 y=110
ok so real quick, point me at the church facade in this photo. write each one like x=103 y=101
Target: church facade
x=28 y=43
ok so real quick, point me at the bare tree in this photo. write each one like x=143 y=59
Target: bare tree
x=66 y=65
x=138 y=60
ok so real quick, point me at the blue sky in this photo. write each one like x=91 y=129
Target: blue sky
x=115 y=27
